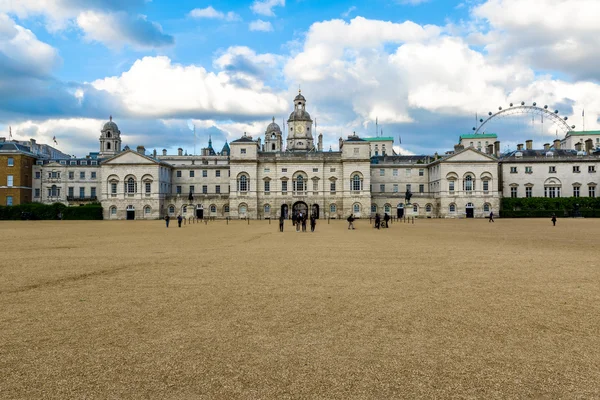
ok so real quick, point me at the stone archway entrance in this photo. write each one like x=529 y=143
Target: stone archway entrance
x=470 y=210
x=284 y=211
x=199 y=211
x=300 y=207
x=315 y=210
x=400 y=210
x=130 y=212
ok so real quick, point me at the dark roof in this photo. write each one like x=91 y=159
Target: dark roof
x=11 y=146
x=400 y=159
x=243 y=139
x=354 y=139
x=540 y=153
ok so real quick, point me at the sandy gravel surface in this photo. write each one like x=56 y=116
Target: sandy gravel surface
x=439 y=309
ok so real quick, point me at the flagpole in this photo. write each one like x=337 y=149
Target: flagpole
x=194 y=139
x=583 y=119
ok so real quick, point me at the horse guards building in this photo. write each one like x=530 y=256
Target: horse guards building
x=252 y=179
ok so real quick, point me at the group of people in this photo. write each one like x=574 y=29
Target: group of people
x=299 y=221
x=384 y=224
x=179 y=220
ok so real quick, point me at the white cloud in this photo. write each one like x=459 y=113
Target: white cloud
x=210 y=12
x=413 y=2
x=265 y=7
x=260 y=25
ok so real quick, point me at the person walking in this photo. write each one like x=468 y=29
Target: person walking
x=304 y=218
x=491 y=216
x=167 y=220
x=377 y=221
x=553 y=219
x=281 y=220
x=350 y=221
x=313 y=222
x=386 y=218
x=298 y=219
x=179 y=219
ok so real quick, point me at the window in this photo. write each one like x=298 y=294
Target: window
x=71 y=191
x=93 y=192
x=147 y=210
x=267 y=209
x=592 y=191
x=93 y=175
x=416 y=208
x=283 y=186
x=82 y=175
x=243 y=184
x=315 y=185
x=395 y=172
x=53 y=191
x=552 y=169
x=192 y=174
x=73 y=162
x=37 y=193
x=184 y=209
x=204 y=173
x=382 y=187
x=428 y=208
x=356 y=150
x=315 y=169
x=71 y=175
x=575 y=191
x=395 y=188
x=171 y=210
x=373 y=208
x=242 y=151
x=387 y=208
x=421 y=188
x=452 y=208
x=356 y=183
x=382 y=172
x=551 y=191
x=218 y=189
x=178 y=174
x=283 y=169
x=38 y=175
x=213 y=209
x=299 y=184
x=81 y=192
x=83 y=162
x=11 y=162
x=192 y=189
x=421 y=172
x=9 y=200
x=468 y=183
x=148 y=187
x=408 y=187
x=356 y=208
x=576 y=169
x=332 y=187
x=218 y=173
x=226 y=209
x=267 y=186
x=9 y=180
x=332 y=208
x=528 y=191
x=513 y=170
x=204 y=189
x=486 y=186
x=113 y=188
x=486 y=207
x=93 y=162
x=331 y=169
x=267 y=170
x=591 y=168
x=407 y=172
x=528 y=170
x=178 y=189
x=451 y=186
x=513 y=191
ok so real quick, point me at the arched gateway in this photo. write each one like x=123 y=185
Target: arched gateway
x=300 y=207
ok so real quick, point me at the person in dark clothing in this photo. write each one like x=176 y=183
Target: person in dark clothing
x=298 y=218
x=377 y=221
x=313 y=222
x=281 y=220
x=167 y=220
x=293 y=219
x=179 y=219
x=304 y=218
x=553 y=220
x=491 y=216
x=350 y=221
x=386 y=218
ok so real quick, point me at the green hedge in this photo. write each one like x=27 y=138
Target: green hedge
x=544 y=207
x=51 y=211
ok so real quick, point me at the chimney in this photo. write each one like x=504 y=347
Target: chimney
x=578 y=146
x=458 y=147
x=436 y=156
x=2 y=139
x=164 y=152
x=589 y=146
x=320 y=142
x=546 y=146
x=520 y=147
x=154 y=153
x=141 y=150
x=490 y=149
x=32 y=141
x=497 y=148
x=180 y=151
x=341 y=141
x=529 y=144
x=556 y=144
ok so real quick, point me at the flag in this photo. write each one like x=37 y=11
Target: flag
x=54 y=139
x=9 y=132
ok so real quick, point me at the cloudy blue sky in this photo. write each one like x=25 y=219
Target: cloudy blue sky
x=423 y=68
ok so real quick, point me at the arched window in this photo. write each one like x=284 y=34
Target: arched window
x=243 y=208
x=356 y=208
x=387 y=208
x=184 y=209
x=452 y=208
x=243 y=184
x=113 y=211
x=373 y=208
x=468 y=184
x=130 y=186
x=299 y=185
x=415 y=208
x=107 y=145
x=267 y=209
x=486 y=207
x=171 y=210
x=332 y=208
x=428 y=208
x=273 y=145
x=213 y=209
x=356 y=183
x=226 y=209
x=147 y=210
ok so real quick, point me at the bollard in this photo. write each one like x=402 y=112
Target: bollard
x=328 y=220
x=413 y=220
x=227 y=219
x=205 y=222
x=248 y=219
x=269 y=221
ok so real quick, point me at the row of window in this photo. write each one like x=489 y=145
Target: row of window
x=552 y=169
x=192 y=189
x=299 y=184
x=407 y=172
x=71 y=162
x=56 y=175
x=192 y=173
x=552 y=191
x=468 y=184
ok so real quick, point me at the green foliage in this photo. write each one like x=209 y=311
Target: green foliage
x=544 y=207
x=50 y=211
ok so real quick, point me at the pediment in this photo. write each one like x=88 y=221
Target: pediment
x=469 y=155
x=130 y=157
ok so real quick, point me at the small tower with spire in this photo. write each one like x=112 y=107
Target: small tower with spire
x=110 y=139
x=273 y=137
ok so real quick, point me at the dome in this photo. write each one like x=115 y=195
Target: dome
x=299 y=115
x=110 y=125
x=273 y=127
x=299 y=97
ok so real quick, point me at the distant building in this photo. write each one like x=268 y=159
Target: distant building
x=16 y=163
